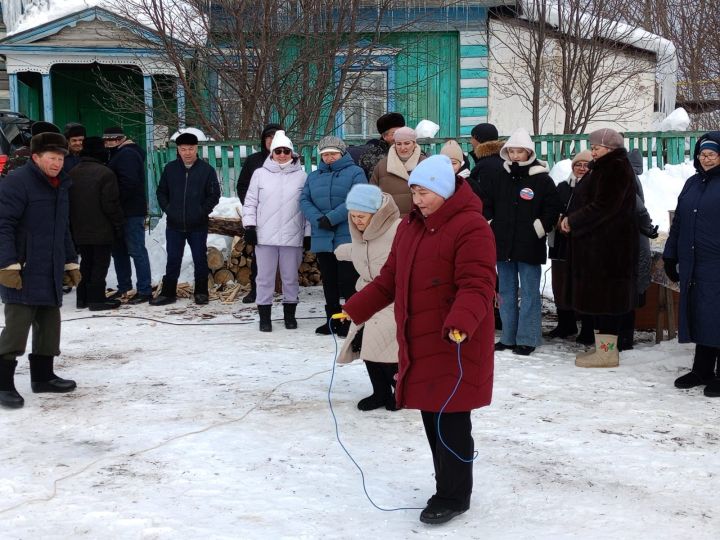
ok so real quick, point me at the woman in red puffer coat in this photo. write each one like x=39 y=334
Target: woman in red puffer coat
x=441 y=276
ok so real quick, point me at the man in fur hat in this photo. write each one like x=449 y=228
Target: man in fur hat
x=75 y=135
x=36 y=250
x=21 y=156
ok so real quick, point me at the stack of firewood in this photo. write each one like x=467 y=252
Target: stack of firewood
x=227 y=272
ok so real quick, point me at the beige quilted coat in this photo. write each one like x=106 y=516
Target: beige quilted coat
x=368 y=252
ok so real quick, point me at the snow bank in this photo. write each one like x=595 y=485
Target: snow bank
x=224 y=432
x=678 y=120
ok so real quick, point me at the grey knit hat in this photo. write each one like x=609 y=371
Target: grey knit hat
x=331 y=144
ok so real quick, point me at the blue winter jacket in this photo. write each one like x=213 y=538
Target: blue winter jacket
x=694 y=240
x=128 y=163
x=324 y=194
x=188 y=196
x=35 y=232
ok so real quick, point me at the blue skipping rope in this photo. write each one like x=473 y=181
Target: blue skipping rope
x=337 y=428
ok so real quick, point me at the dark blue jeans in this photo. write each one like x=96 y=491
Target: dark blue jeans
x=176 y=247
x=132 y=246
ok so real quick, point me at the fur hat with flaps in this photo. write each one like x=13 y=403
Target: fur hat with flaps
x=389 y=121
x=280 y=140
x=520 y=138
x=48 y=142
x=73 y=129
x=43 y=127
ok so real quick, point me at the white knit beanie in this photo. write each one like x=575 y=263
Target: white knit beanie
x=280 y=140
x=520 y=138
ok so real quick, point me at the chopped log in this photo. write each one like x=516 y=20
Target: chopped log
x=228 y=226
x=215 y=258
x=223 y=276
x=243 y=275
x=238 y=245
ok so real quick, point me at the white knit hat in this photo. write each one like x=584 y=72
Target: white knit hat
x=280 y=140
x=520 y=138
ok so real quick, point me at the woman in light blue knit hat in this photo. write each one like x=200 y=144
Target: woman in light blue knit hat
x=373 y=218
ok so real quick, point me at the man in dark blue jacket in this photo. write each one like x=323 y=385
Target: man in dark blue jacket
x=127 y=161
x=36 y=249
x=187 y=193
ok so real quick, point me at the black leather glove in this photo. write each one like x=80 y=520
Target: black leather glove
x=651 y=233
x=251 y=236
x=356 y=343
x=306 y=243
x=671 y=269
x=324 y=223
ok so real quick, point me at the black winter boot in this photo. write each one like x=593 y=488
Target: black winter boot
x=703 y=370
x=265 y=312
x=587 y=330
x=382 y=395
x=9 y=397
x=324 y=330
x=81 y=295
x=566 y=325
x=43 y=378
x=201 y=292
x=390 y=371
x=289 y=316
x=168 y=293
x=97 y=301
x=249 y=298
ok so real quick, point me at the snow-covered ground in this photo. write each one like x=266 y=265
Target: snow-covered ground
x=188 y=422
x=215 y=430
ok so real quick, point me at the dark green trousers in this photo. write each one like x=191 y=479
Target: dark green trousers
x=45 y=324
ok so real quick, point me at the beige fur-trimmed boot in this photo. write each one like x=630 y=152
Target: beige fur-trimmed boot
x=606 y=353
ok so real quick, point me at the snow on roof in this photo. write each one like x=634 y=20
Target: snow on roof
x=664 y=49
x=22 y=15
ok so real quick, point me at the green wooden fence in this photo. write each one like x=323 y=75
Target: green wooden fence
x=658 y=148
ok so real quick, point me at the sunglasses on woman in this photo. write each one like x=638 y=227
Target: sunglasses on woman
x=279 y=151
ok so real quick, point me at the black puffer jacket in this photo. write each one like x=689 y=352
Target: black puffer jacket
x=488 y=166
x=522 y=206
x=253 y=162
x=128 y=163
x=95 y=211
x=188 y=195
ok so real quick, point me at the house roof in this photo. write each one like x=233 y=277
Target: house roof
x=59 y=42
x=54 y=26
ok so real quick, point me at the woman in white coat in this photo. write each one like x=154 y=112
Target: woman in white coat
x=373 y=218
x=276 y=226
